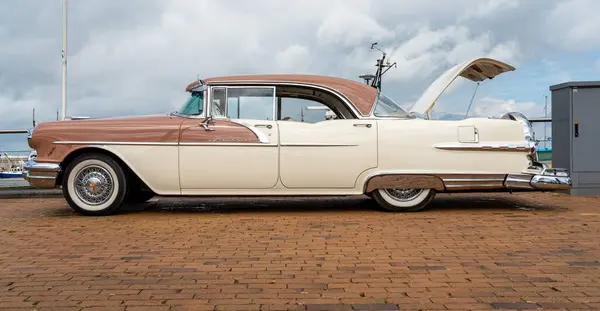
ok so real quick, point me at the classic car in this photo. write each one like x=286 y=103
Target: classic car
x=250 y=135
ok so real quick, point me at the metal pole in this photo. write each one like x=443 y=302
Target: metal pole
x=64 y=60
x=545 y=123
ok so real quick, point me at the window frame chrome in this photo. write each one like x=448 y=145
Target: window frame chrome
x=241 y=86
x=345 y=101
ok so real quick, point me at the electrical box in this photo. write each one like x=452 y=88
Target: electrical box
x=576 y=134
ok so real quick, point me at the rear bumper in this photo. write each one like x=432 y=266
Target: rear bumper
x=41 y=175
x=549 y=179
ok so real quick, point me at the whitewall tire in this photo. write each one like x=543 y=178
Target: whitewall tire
x=403 y=200
x=94 y=184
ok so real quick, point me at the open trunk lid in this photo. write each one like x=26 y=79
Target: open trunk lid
x=476 y=70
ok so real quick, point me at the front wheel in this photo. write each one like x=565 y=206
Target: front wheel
x=94 y=185
x=403 y=200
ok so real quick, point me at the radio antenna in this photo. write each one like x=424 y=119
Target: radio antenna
x=383 y=65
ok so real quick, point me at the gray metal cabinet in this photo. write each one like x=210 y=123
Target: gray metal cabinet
x=576 y=133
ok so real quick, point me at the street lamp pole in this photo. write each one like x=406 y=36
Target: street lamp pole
x=64 y=59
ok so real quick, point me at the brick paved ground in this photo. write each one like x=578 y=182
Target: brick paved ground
x=467 y=252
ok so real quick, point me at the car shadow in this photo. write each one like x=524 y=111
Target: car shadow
x=225 y=205
x=446 y=203
x=487 y=202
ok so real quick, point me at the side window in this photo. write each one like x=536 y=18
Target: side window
x=218 y=102
x=256 y=103
x=304 y=110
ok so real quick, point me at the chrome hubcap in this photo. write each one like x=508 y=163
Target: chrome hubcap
x=404 y=194
x=94 y=185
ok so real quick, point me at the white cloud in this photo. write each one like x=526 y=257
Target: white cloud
x=489 y=107
x=294 y=58
x=574 y=25
x=347 y=27
x=483 y=9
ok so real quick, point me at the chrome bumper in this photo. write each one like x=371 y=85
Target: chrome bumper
x=41 y=175
x=548 y=179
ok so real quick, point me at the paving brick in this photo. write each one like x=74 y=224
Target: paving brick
x=328 y=307
x=466 y=252
x=514 y=305
x=375 y=307
x=193 y=308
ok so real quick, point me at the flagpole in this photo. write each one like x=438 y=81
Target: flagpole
x=64 y=60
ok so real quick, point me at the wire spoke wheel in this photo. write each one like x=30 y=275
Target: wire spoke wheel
x=94 y=185
x=404 y=194
x=403 y=199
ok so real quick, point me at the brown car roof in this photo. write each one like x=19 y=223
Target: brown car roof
x=361 y=95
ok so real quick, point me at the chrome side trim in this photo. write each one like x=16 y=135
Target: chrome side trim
x=262 y=137
x=131 y=143
x=114 y=143
x=472 y=179
x=456 y=182
x=477 y=147
x=473 y=186
x=41 y=175
x=229 y=144
x=316 y=145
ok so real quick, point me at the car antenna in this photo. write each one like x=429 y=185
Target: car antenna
x=381 y=65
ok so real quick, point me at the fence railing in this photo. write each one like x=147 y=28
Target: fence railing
x=13 y=131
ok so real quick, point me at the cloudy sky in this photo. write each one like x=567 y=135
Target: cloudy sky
x=137 y=56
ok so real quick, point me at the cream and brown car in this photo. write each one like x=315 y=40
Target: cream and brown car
x=291 y=135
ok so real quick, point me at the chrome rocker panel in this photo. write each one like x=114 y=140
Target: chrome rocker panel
x=41 y=175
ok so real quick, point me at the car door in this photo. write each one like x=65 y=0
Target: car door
x=237 y=148
x=329 y=153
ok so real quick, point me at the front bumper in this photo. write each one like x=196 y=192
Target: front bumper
x=549 y=179
x=41 y=175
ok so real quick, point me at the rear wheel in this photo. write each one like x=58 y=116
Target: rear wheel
x=94 y=185
x=403 y=200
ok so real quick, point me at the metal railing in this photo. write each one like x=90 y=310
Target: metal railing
x=13 y=131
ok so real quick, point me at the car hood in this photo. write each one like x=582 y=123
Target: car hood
x=152 y=128
x=476 y=70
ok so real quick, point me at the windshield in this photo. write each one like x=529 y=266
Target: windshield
x=386 y=107
x=194 y=105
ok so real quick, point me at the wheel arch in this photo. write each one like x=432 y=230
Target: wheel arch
x=129 y=171
x=387 y=180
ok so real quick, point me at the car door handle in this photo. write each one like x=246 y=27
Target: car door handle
x=362 y=124
x=269 y=126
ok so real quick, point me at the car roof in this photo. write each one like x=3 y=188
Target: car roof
x=361 y=95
